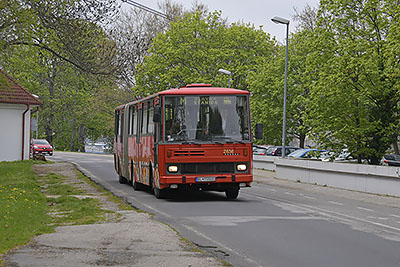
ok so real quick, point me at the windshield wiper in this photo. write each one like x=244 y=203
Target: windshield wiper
x=227 y=139
x=191 y=143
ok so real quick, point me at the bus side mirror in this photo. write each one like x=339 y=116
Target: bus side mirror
x=157 y=114
x=259 y=131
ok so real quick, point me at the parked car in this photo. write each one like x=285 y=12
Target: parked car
x=41 y=146
x=390 y=160
x=258 y=150
x=308 y=153
x=277 y=150
x=344 y=157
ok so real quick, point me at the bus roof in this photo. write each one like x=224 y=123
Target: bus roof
x=193 y=89
x=203 y=89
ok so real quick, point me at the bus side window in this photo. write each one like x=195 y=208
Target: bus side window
x=135 y=118
x=129 y=120
x=116 y=125
x=144 y=117
x=150 y=127
x=121 y=126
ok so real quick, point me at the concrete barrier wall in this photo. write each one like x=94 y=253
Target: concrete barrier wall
x=264 y=162
x=365 y=178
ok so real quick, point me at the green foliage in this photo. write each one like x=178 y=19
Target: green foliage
x=57 y=50
x=68 y=29
x=343 y=72
x=195 y=47
x=267 y=85
x=355 y=98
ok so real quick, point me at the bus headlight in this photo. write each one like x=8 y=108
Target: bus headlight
x=241 y=167
x=172 y=168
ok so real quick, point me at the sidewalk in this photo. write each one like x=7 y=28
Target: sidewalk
x=135 y=240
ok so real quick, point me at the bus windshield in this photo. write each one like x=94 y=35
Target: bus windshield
x=206 y=118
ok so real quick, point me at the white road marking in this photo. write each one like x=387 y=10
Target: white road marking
x=393 y=215
x=290 y=194
x=362 y=208
x=382 y=218
x=336 y=203
x=336 y=215
x=313 y=198
x=235 y=220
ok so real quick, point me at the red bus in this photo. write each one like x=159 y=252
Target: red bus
x=195 y=137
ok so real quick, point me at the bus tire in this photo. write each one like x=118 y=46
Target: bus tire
x=137 y=186
x=160 y=193
x=121 y=179
x=232 y=193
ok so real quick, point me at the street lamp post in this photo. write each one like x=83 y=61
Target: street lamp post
x=227 y=72
x=279 y=20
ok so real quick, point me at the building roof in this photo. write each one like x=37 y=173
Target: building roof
x=13 y=93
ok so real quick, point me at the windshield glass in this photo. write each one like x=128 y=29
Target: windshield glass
x=206 y=118
x=40 y=142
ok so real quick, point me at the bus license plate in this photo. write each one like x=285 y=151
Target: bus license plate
x=205 y=179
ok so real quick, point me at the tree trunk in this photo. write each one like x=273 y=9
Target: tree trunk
x=396 y=147
x=302 y=139
x=81 y=137
x=49 y=124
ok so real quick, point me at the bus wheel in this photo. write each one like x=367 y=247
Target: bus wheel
x=137 y=186
x=232 y=193
x=122 y=179
x=160 y=193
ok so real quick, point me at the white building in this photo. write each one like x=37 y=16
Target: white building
x=16 y=107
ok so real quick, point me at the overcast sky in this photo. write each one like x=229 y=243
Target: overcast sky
x=257 y=12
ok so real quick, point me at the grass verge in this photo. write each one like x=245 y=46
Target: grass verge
x=32 y=205
x=23 y=206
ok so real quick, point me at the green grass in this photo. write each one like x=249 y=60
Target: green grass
x=71 y=210
x=56 y=186
x=26 y=211
x=23 y=207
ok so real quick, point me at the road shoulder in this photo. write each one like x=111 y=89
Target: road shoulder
x=135 y=239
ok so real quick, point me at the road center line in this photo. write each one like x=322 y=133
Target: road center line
x=394 y=215
x=313 y=198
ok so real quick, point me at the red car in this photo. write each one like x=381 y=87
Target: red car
x=41 y=146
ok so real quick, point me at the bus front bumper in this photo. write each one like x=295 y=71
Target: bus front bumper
x=205 y=182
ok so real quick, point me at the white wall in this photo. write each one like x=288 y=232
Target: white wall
x=11 y=132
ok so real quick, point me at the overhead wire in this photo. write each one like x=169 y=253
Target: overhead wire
x=146 y=8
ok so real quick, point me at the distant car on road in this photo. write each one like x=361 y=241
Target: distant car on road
x=41 y=146
x=277 y=150
x=390 y=160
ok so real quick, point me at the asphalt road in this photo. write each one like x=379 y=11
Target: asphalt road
x=272 y=223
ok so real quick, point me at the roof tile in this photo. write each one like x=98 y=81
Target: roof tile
x=13 y=93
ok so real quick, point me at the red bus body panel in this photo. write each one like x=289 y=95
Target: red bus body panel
x=141 y=161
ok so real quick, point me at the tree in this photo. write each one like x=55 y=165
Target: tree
x=267 y=86
x=195 y=47
x=70 y=30
x=355 y=99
